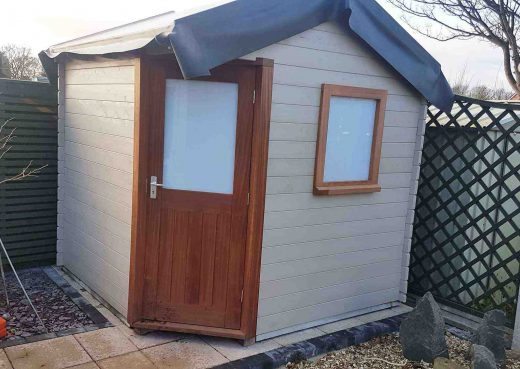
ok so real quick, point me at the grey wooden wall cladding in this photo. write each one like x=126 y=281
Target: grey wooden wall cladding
x=28 y=207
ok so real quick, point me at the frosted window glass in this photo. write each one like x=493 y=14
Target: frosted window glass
x=199 y=136
x=349 y=139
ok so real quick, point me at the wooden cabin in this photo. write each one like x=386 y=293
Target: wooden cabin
x=247 y=170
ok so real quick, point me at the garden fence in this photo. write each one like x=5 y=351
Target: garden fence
x=28 y=207
x=466 y=240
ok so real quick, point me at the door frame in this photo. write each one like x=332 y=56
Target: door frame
x=259 y=156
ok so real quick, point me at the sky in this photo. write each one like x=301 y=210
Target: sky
x=39 y=24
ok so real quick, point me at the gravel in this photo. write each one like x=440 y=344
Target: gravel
x=56 y=309
x=385 y=353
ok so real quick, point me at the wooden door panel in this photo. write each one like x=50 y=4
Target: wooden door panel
x=194 y=262
x=194 y=258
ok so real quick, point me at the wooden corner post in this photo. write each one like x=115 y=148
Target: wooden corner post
x=260 y=149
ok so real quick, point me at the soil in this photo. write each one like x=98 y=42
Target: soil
x=56 y=309
x=385 y=353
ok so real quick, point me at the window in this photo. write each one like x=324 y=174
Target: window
x=199 y=144
x=349 y=140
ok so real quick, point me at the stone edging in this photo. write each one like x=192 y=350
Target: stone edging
x=316 y=346
x=97 y=318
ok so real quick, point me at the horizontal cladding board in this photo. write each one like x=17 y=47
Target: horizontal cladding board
x=107 y=158
x=294 y=268
x=325 y=40
x=111 y=143
x=97 y=264
x=298 y=218
x=100 y=76
x=115 y=296
x=307 y=150
x=304 y=184
x=98 y=62
x=311 y=96
x=109 y=126
x=285 y=286
x=103 y=235
x=119 y=211
x=302 y=114
x=309 y=201
x=285 y=236
x=108 y=109
x=99 y=171
x=303 y=167
x=106 y=92
x=101 y=187
x=312 y=249
x=120 y=262
x=348 y=289
x=329 y=309
x=325 y=60
x=118 y=227
x=315 y=77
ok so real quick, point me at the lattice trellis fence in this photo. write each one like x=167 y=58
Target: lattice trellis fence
x=466 y=240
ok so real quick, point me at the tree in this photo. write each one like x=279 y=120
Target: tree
x=482 y=92
x=6 y=138
x=495 y=21
x=463 y=86
x=20 y=62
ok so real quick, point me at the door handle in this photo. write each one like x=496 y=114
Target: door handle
x=153 y=187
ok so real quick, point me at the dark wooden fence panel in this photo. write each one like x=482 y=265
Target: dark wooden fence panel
x=28 y=207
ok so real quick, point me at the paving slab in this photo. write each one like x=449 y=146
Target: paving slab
x=340 y=325
x=133 y=360
x=4 y=361
x=234 y=350
x=151 y=339
x=57 y=353
x=104 y=343
x=295 y=337
x=111 y=317
x=377 y=315
x=91 y=365
x=188 y=353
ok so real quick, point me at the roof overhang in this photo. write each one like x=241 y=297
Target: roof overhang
x=203 y=40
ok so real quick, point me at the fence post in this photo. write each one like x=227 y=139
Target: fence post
x=516 y=333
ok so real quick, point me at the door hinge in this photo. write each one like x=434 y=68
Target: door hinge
x=254 y=96
x=242 y=296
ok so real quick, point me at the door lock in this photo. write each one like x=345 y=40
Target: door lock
x=153 y=187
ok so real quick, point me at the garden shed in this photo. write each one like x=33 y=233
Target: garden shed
x=246 y=170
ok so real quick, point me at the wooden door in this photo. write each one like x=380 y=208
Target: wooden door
x=196 y=227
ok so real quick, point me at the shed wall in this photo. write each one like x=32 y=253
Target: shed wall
x=326 y=258
x=96 y=127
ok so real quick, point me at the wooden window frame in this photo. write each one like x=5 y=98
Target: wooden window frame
x=349 y=187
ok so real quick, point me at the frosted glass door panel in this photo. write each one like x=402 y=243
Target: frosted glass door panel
x=199 y=136
x=349 y=139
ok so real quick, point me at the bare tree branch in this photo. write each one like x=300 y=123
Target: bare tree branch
x=5 y=145
x=495 y=21
x=25 y=173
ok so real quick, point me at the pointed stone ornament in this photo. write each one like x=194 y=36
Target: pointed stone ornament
x=491 y=334
x=422 y=332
